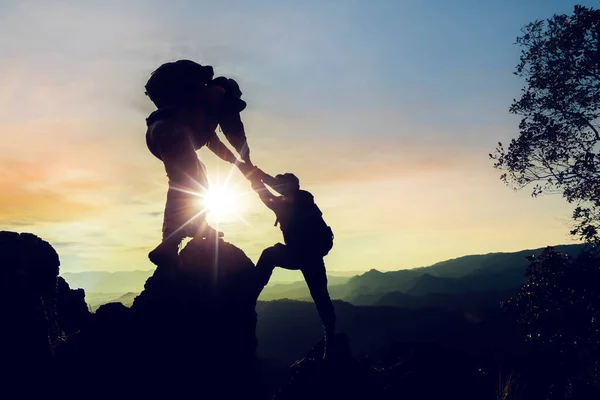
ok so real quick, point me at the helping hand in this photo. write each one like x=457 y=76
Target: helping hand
x=247 y=170
x=254 y=174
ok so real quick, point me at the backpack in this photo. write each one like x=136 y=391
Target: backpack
x=177 y=83
x=303 y=225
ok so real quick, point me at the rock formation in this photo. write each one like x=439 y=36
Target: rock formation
x=339 y=377
x=197 y=323
x=190 y=333
x=30 y=298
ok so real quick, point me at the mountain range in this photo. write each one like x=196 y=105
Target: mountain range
x=451 y=306
x=487 y=277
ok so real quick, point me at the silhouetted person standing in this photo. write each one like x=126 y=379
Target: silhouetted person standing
x=307 y=239
x=190 y=106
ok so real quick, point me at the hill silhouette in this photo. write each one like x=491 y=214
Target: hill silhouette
x=498 y=261
x=299 y=290
x=108 y=282
x=39 y=311
x=426 y=284
x=200 y=322
x=198 y=331
x=286 y=328
x=99 y=299
x=488 y=272
x=494 y=272
x=191 y=330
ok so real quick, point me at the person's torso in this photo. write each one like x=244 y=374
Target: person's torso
x=300 y=220
x=165 y=129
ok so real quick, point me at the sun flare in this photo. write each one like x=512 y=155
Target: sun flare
x=220 y=203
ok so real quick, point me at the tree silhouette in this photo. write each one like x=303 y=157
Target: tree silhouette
x=559 y=309
x=557 y=150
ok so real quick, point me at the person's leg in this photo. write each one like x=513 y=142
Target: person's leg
x=183 y=201
x=316 y=279
x=198 y=227
x=187 y=180
x=271 y=257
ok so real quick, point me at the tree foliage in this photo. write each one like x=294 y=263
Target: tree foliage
x=560 y=303
x=559 y=308
x=557 y=150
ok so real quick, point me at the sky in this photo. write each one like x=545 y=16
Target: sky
x=385 y=110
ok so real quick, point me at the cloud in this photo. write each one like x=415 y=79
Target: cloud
x=65 y=244
x=27 y=192
x=334 y=160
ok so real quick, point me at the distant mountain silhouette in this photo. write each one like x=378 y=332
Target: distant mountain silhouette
x=494 y=272
x=488 y=272
x=95 y=300
x=375 y=281
x=108 y=282
x=99 y=299
x=426 y=284
x=98 y=283
x=127 y=299
x=299 y=290
x=500 y=261
x=458 y=301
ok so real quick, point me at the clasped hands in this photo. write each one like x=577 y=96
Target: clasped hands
x=250 y=171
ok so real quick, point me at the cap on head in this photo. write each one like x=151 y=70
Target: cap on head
x=178 y=83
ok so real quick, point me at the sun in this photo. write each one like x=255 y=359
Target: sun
x=220 y=203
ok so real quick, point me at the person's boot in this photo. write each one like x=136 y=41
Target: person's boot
x=209 y=232
x=166 y=253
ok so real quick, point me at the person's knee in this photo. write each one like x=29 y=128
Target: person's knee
x=266 y=264
x=265 y=255
x=271 y=254
x=178 y=173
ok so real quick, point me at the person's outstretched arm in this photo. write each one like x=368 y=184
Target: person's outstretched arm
x=230 y=120
x=268 y=198
x=241 y=146
x=269 y=180
x=216 y=146
x=233 y=129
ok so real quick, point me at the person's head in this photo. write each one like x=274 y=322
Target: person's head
x=232 y=99
x=204 y=102
x=287 y=184
x=179 y=84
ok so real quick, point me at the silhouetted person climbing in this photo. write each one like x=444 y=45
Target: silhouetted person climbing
x=307 y=239
x=190 y=106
